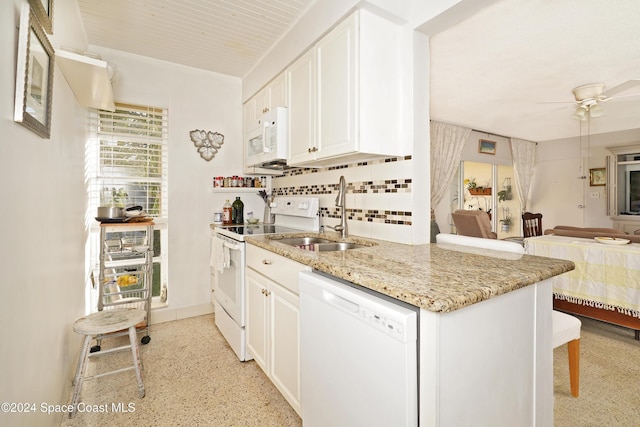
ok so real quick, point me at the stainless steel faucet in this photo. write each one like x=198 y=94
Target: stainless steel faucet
x=340 y=202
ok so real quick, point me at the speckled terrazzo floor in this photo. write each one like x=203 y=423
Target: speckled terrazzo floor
x=192 y=378
x=609 y=379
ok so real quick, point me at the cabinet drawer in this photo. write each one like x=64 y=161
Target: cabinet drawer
x=276 y=267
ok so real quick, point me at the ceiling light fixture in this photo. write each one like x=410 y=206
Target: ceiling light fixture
x=580 y=113
x=588 y=97
x=588 y=107
x=595 y=110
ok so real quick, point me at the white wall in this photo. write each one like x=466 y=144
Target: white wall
x=42 y=233
x=557 y=190
x=196 y=99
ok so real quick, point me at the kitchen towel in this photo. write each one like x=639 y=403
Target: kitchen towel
x=218 y=254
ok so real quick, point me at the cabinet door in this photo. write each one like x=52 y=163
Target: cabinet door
x=257 y=323
x=301 y=101
x=262 y=102
x=278 y=92
x=337 y=68
x=285 y=350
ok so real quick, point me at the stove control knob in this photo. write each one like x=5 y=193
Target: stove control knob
x=303 y=206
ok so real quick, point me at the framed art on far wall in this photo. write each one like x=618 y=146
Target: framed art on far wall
x=486 y=147
x=597 y=177
x=43 y=9
x=34 y=75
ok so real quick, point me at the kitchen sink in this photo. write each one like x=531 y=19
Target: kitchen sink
x=319 y=244
x=303 y=241
x=338 y=246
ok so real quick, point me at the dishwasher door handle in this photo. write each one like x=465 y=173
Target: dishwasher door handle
x=340 y=302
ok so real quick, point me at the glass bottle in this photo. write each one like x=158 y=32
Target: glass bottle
x=238 y=211
x=227 y=211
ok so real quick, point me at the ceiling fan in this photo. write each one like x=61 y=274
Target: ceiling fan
x=590 y=96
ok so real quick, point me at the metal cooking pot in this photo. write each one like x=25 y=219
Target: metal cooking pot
x=110 y=212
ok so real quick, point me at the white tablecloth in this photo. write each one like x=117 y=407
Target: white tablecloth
x=606 y=276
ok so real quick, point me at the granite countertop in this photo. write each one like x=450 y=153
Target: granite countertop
x=436 y=277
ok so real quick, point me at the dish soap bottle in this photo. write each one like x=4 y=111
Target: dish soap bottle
x=226 y=213
x=237 y=216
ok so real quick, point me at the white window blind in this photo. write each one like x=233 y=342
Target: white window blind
x=127 y=165
x=129 y=158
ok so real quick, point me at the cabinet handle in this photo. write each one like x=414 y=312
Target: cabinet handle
x=266 y=262
x=308 y=150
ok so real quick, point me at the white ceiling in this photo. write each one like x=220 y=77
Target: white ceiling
x=226 y=36
x=493 y=72
x=497 y=70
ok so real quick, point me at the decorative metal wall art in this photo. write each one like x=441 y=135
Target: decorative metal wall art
x=207 y=143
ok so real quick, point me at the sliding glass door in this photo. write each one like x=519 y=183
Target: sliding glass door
x=489 y=187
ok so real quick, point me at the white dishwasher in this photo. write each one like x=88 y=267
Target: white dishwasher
x=358 y=356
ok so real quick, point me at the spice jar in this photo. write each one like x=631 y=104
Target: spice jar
x=217 y=216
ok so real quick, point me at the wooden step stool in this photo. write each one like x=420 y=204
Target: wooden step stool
x=98 y=325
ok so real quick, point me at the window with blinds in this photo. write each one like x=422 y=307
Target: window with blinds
x=126 y=162
x=130 y=158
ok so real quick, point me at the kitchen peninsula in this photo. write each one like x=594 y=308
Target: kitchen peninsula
x=485 y=354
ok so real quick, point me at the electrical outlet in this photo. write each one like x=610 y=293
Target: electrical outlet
x=595 y=194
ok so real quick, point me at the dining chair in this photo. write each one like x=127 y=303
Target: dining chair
x=531 y=224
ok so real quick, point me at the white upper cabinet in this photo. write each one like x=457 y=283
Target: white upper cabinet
x=271 y=96
x=345 y=95
x=301 y=81
x=337 y=71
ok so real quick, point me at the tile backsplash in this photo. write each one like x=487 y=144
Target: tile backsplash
x=378 y=200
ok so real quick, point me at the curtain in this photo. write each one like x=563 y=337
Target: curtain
x=523 y=154
x=447 y=142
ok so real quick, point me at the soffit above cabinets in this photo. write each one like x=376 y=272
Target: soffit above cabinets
x=89 y=79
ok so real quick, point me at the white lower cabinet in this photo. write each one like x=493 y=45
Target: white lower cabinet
x=273 y=319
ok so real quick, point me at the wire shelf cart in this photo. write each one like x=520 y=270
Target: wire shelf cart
x=126 y=269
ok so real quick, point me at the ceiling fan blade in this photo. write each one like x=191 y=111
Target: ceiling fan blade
x=621 y=87
x=629 y=97
x=556 y=102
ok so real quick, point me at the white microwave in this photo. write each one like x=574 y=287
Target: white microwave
x=266 y=143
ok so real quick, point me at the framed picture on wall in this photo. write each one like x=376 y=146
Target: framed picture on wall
x=43 y=9
x=597 y=177
x=34 y=75
x=486 y=147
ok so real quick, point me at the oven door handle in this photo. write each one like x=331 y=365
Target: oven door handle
x=231 y=246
